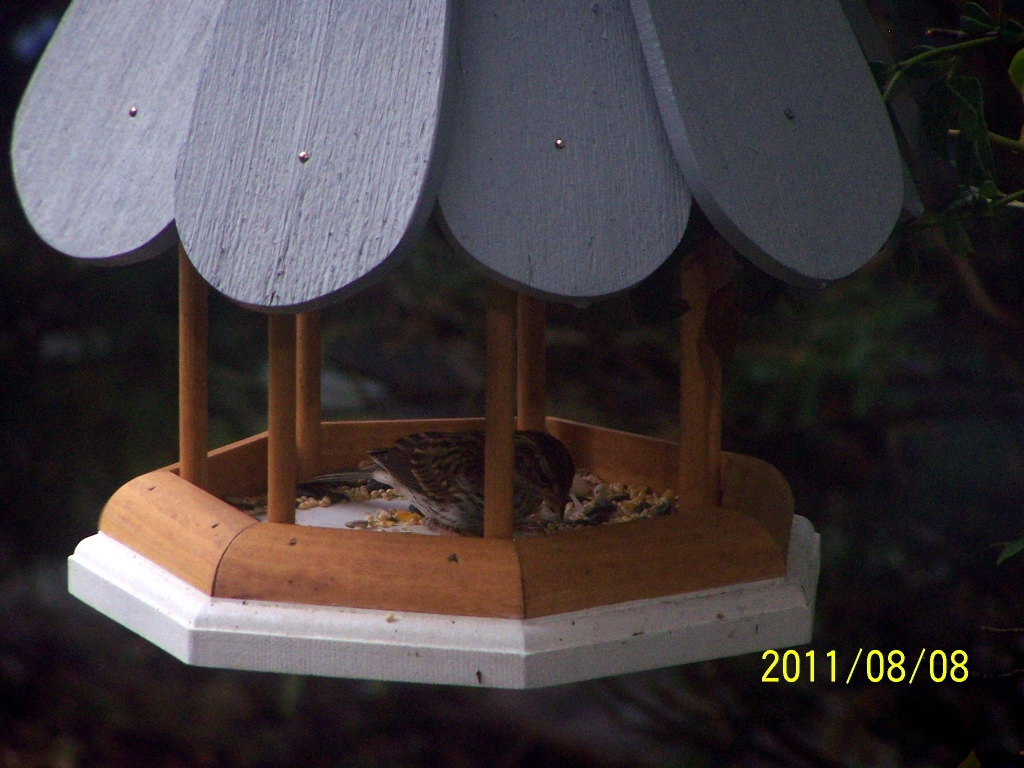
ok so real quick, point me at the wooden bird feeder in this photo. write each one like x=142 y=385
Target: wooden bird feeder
x=297 y=149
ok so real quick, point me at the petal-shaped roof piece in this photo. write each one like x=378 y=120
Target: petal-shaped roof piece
x=98 y=131
x=779 y=128
x=902 y=107
x=311 y=157
x=559 y=178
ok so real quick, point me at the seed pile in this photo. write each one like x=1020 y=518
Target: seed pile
x=389 y=518
x=257 y=505
x=596 y=502
x=592 y=502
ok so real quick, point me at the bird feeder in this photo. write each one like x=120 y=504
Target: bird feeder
x=296 y=150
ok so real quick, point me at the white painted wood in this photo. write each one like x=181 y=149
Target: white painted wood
x=358 y=88
x=587 y=220
x=418 y=647
x=779 y=129
x=96 y=182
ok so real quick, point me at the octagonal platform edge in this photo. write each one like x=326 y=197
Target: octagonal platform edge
x=224 y=553
x=432 y=648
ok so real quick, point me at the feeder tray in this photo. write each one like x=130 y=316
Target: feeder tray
x=214 y=587
x=557 y=151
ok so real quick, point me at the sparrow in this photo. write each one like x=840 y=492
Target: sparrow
x=442 y=475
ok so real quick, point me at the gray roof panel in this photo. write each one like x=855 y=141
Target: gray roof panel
x=299 y=145
x=560 y=178
x=98 y=130
x=779 y=127
x=311 y=159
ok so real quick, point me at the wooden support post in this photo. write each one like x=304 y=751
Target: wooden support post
x=307 y=369
x=531 y=362
x=499 y=410
x=281 y=464
x=193 y=396
x=700 y=382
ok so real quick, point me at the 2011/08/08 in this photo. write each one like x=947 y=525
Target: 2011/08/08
x=940 y=667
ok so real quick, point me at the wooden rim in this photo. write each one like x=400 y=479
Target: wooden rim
x=223 y=552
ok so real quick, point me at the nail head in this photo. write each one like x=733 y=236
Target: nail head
x=559 y=144
x=789 y=113
x=303 y=157
x=133 y=111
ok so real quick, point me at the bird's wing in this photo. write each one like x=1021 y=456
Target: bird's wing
x=395 y=462
x=447 y=463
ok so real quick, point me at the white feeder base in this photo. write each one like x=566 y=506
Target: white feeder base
x=459 y=650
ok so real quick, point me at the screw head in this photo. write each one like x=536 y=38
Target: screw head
x=133 y=111
x=559 y=144
x=303 y=157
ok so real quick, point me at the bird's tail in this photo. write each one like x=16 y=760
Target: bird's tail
x=343 y=477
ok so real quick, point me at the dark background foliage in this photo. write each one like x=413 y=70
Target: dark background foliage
x=893 y=401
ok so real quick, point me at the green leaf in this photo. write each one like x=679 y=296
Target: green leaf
x=989 y=189
x=970 y=103
x=982 y=206
x=1011 y=33
x=1011 y=549
x=937 y=116
x=971 y=761
x=968 y=163
x=970 y=108
x=1016 y=70
x=974 y=20
x=926 y=69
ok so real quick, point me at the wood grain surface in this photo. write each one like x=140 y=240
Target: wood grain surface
x=179 y=527
x=172 y=523
x=365 y=569
x=239 y=469
x=344 y=444
x=700 y=377
x=531 y=363
x=310 y=161
x=193 y=372
x=697 y=550
x=282 y=454
x=526 y=578
x=757 y=489
x=590 y=218
x=617 y=456
x=779 y=128
x=95 y=181
x=308 y=365
x=499 y=410
x=748 y=485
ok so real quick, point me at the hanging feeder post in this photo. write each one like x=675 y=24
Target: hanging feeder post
x=281 y=454
x=531 y=362
x=307 y=371
x=193 y=397
x=499 y=410
x=700 y=384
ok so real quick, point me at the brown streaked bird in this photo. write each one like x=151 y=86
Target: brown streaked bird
x=442 y=474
